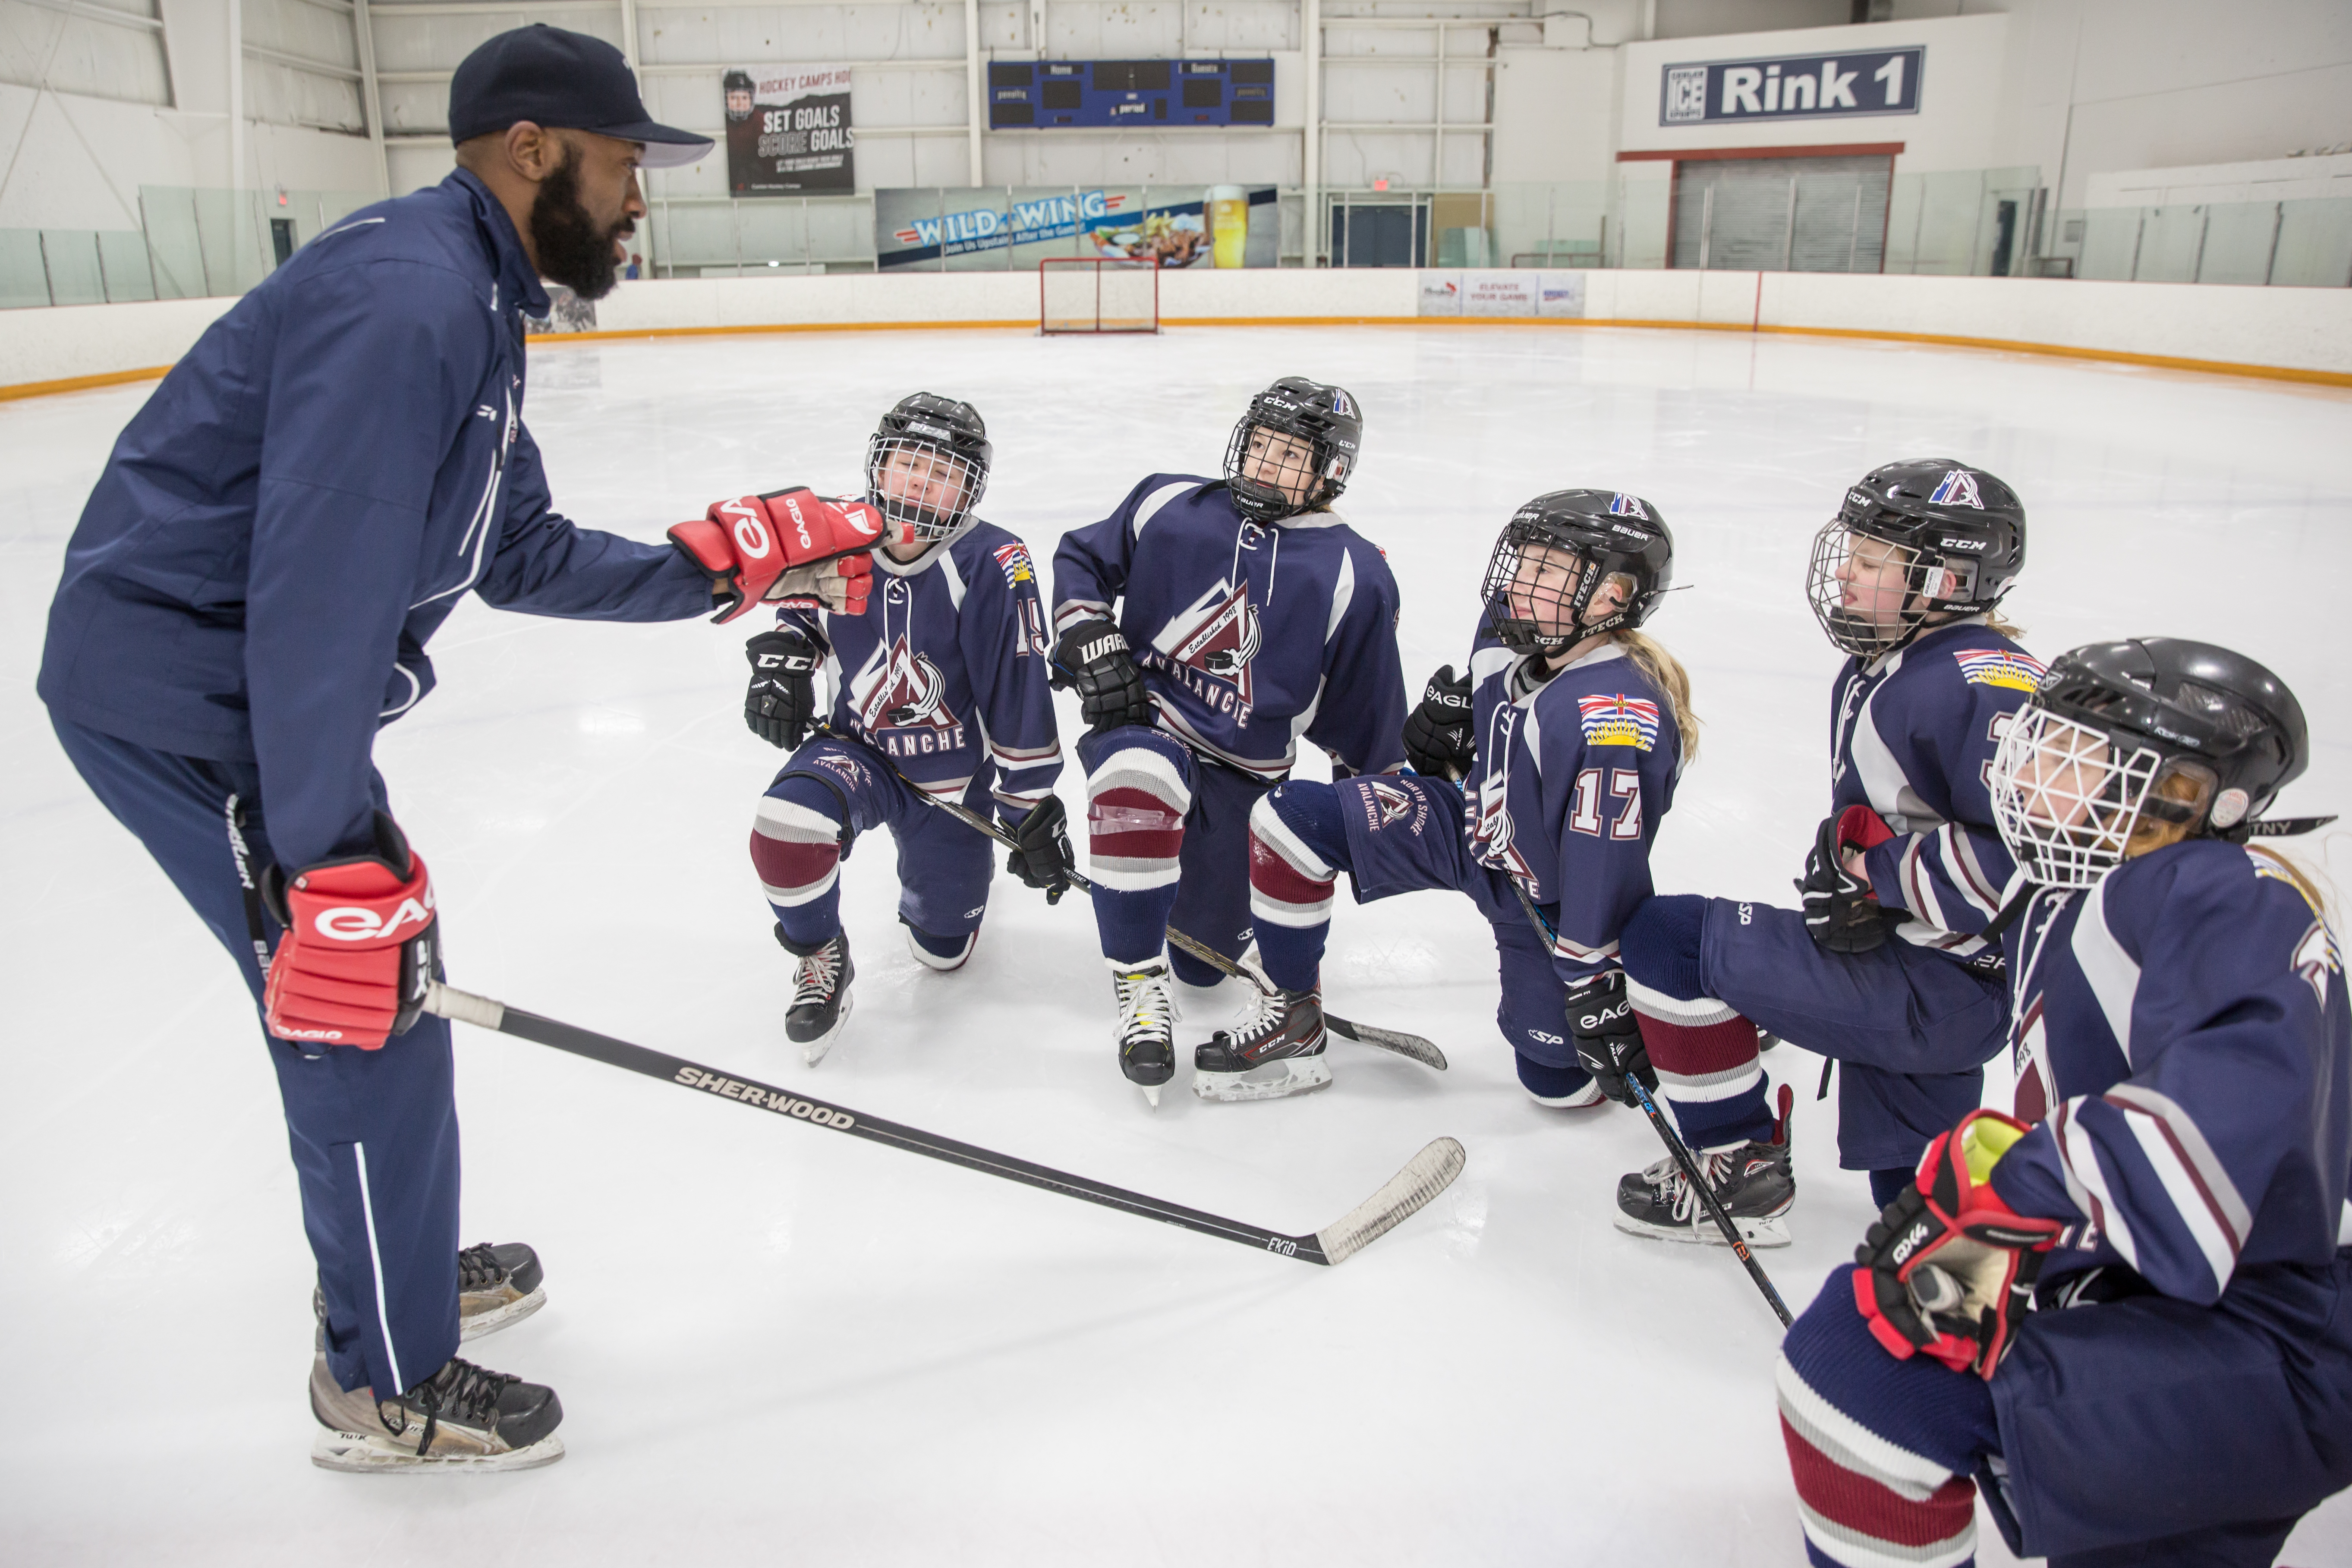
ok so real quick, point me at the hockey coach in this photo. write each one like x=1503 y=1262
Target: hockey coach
x=246 y=600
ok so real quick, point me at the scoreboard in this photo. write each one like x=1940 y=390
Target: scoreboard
x=1112 y=94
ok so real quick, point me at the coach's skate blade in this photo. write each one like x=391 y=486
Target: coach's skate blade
x=1760 y=1231
x=1270 y=1081
x=1151 y=1092
x=814 y=1050
x=357 y=1453
x=505 y=1316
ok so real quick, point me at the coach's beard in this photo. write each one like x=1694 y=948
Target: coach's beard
x=573 y=250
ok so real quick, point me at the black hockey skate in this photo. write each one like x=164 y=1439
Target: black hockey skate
x=1754 y=1182
x=498 y=1286
x=1147 y=1025
x=1278 y=1050
x=463 y=1418
x=821 y=999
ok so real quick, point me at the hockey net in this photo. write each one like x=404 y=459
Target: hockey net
x=1097 y=294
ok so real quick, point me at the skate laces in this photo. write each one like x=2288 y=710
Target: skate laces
x=462 y=1391
x=1145 y=1002
x=1715 y=1165
x=479 y=1269
x=818 y=974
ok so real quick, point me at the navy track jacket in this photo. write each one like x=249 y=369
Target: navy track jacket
x=300 y=504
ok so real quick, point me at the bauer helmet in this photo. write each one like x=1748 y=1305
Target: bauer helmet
x=1596 y=535
x=2122 y=735
x=1324 y=419
x=941 y=453
x=1956 y=533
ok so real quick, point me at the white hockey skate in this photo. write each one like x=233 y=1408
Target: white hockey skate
x=1147 y=1025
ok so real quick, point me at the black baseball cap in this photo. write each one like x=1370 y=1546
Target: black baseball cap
x=561 y=80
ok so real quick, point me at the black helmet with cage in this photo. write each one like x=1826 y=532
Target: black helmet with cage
x=940 y=450
x=1957 y=533
x=1325 y=427
x=1537 y=605
x=2120 y=735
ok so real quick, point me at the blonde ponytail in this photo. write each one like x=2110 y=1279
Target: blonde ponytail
x=2000 y=627
x=2306 y=881
x=1665 y=672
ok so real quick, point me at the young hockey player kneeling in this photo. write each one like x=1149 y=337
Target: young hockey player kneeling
x=940 y=688
x=2178 y=1157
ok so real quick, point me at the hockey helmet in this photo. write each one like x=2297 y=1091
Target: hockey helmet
x=1956 y=534
x=1324 y=419
x=1534 y=606
x=939 y=451
x=2120 y=735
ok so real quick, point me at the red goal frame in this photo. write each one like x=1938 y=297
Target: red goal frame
x=1049 y=325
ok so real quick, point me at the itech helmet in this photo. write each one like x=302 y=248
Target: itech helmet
x=1326 y=419
x=946 y=467
x=1607 y=533
x=2152 y=730
x=1960 y=533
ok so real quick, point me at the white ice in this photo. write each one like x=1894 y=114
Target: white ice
x=779 y=1345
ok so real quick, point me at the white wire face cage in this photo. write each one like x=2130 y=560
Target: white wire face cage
x=1891 y=586
x=1533 y=588
x=925 y=488
x=2066 y=798
x=1280 y=471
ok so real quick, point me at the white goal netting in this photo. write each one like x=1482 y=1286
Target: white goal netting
x=1089 y=295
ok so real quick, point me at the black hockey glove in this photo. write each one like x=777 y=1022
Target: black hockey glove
x=781 y=703
x=1842 y=912
x=1044 y=859
x=1608 y=1038
x=1437 y=738
x=1092 y=659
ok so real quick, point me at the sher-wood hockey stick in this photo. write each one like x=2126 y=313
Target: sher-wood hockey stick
x=1424 y=1051
x=1674 y=1147
x=1424 y=1176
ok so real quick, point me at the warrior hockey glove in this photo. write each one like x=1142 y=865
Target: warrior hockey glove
x=1044 y=859
x=1950 y=1268
x=1437 y=739
x=1842 y=912
x=1092 y=659
x=781 y=703
x=359 y=947
x=1608 y=1037
x=748 y=545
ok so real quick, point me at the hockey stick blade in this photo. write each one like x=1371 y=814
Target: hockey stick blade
x=1426 y=1176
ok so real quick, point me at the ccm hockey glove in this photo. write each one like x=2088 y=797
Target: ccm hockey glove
x=1608 y=1037
x=1044 y=859
x=360 y=942
x=1437 y=739
x=748 y=545
x=1842 y=912
x=781 y=703
x=1948 y=1268
x=1092 y=659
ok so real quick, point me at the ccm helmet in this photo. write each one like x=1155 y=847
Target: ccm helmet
x=2154 y=730
x=1956 y=533
x=1323 y=420
x=939 y=451
x=1554 y=555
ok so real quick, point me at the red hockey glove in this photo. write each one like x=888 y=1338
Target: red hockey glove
x=1948 y=1268
x=358 y=946
x=748 y=544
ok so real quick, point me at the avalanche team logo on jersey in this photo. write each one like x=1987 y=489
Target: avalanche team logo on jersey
x=1217 y=635
x=1618 y=720
x=1386 y=804
x=1622 y=505
x=2000 y=667
x=1959 y=489
x=899 y=689
x=1014 y=559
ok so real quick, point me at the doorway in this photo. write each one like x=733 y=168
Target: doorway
x=1782 y=215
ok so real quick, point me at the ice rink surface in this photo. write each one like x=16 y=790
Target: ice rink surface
x=779 y=1346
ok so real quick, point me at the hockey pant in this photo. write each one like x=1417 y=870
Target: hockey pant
x=375 y=1133
x=2144 y=1431
x=831 y=789
x=1400 y=833
x=1912 y=1029
x=1167 y=844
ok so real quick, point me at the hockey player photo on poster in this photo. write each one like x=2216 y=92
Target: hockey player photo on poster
x=788 y=131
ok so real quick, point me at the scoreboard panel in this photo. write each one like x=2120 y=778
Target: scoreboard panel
x=1096 y=95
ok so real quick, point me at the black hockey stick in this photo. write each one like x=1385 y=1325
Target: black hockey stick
x=1674 y=1147
x=1424 y=1051
x=1424 y=1176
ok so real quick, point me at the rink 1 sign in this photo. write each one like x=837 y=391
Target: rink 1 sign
x=1792 y=87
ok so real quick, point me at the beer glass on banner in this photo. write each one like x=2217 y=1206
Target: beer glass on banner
x=1229 y=224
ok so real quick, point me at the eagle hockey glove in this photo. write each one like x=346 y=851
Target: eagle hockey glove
x=1437 y=738
x=360 y=945
x=748 y=545
x=1608 y=1038
x=1842 y=912
x=1948 y=1268
x=1043 y=860
x=781 y=703
x=1092 y=659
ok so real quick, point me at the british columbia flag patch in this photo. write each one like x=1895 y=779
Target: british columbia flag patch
x=2000 y=667
x=1618 y=720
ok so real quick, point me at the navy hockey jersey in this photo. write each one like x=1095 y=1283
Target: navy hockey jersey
x=1574 y=774
x=1912 y=736
x=1249 y=636
x=947 y=667
x=2182 y=1038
